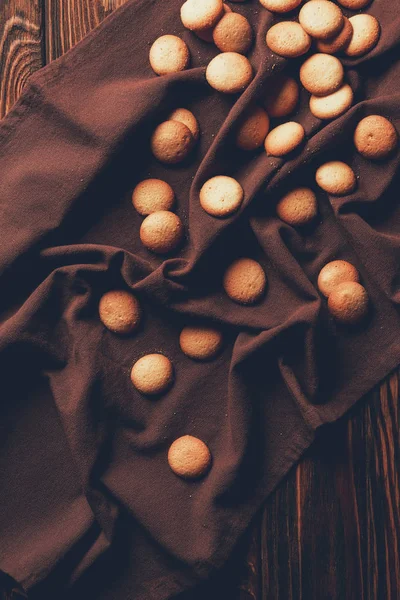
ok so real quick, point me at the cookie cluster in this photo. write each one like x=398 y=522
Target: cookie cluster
x=320 y=25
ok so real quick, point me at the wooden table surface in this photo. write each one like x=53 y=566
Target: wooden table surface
x=332 y=528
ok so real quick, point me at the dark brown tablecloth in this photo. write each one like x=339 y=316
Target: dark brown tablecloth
x=89 y=507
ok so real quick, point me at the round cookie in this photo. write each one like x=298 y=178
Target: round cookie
x=200 y=343
x=298 y=207
x=207 y=34
x=151 y=195
x=198 y=15
x=354 y=4
x=169 y=54
x=253 y=129
x=233 y=33
x=282 y=97
x=221 y=196
x=321 y=74
x=348 y=303
x=171 y=142
x=339 y=42
x=335 y=177
x=288 y=39
x=284 y=138
x=183 y=115
x=280 y=6
x=152 y=374
x=334 y=273
x=366 y=33
x=119 y=311
x=189 y=457
x=245 y=281
x=321 y=19
x=332 y=105
x=161 y=231
x=229 y=72
x=375 y=137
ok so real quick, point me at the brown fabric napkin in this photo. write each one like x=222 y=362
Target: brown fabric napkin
x=89 y=505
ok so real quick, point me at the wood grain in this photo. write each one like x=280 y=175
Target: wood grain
x=332 y=529
x=21 y=51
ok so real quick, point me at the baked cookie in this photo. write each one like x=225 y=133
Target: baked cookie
x=198 y=15
x=169 y=54
x=151 y=195
x=119 y=311
x=229 y=72
x=321 y=19
x=375 y=137
x=298 y=207
x=189 y=457
x=171 y=142
x=288 y=39
x=183 y=115
x=354 y=4
x=161 y=232
x=284 y=139
x=339 y=42
x=321 y=74
x=207 y=34
x=152 y=374
x=245 y=281
x=348 y=303
x=334 y=273
x=282 y=96
x=333 y=105
x=221 y=196
x=280 y=6
x=366 y=33
x=253 y=129
x=233 y=33
x=335 y=177
x=200 y=342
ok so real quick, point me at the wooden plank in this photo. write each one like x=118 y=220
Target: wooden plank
x=332 y=529
x=21 y=50
x=68 y=21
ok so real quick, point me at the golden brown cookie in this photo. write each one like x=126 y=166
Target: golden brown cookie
x=151 y=195
x=321 y=74
x=335 y=177
x=245 y=281
x=152 y=374
x=354 y=4
x=119 y=311
x=189 y=457
x=284 y=138
x=161 y=232
x=282 y=96
x=366 y=33
x=288 y=39
x=280 y=6
x=339 y=42
x=183 y=115
x=332 y=105
x=321 y=19
x=169 y=54
x=207 y=34
x=233 y=33
x=348 y=303
x=334 y=273
x=375 y=137
x=229 y=72
x=253 y=129
x=221 y=196
x=198 y=15
x=298 y=207
x=200 y=342
x=171 y=142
